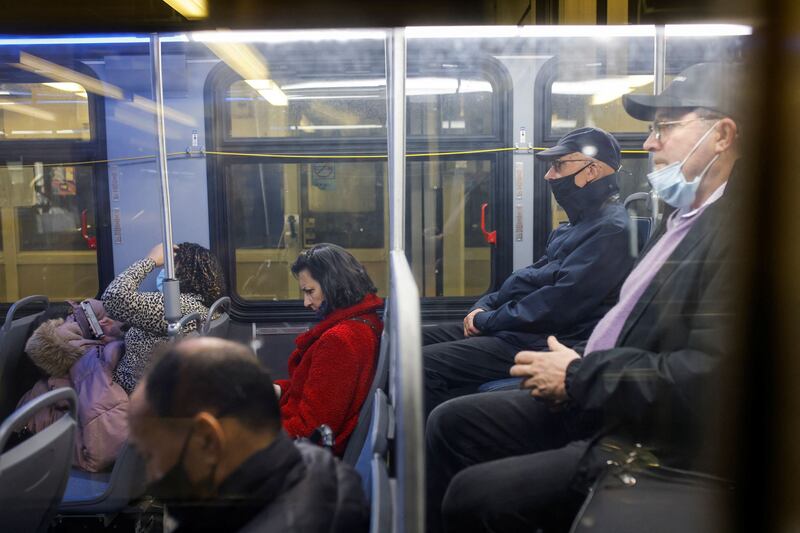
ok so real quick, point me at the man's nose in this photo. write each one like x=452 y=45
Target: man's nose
x=551 y=174
x=651 y=144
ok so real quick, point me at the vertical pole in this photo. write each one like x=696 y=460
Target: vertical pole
x=660 y=59
x=396 y=114
x=659 y=69
x=172 y=308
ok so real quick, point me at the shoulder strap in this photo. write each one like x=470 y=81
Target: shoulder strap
x=367 y=322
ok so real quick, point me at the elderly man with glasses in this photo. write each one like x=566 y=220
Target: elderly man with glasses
x=564 y=293
x=642 y=389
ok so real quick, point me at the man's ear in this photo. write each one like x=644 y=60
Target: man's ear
x=726 y=136
x=209 y=438
x=594 y=172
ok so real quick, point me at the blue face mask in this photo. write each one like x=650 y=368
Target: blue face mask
x=670 y=184
x=162 y=274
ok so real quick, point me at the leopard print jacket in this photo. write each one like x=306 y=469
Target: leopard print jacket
x=144 y=313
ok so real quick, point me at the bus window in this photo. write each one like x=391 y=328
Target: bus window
x=453 y=106
x=449 y=254
x=289 y=207
x=47 y=205
x=276 y=208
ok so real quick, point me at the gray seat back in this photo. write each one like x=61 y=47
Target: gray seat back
x=17 y=374
x=381 y=429
x=104 y=493
x=382 y=512
x=641 y=227
x=217 y=327
x=33 y=474
x=358 y=439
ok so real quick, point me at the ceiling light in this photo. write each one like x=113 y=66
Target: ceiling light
x=244 y=59
x=56 y=72
x=88 y=39
x=284 y=36
x=707 y=30
x=495 y=32
x=190 y=9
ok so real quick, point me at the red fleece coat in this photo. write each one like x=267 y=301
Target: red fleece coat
x=330 y=372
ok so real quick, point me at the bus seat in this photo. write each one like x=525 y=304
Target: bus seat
x=381 y=430
x=381 y=512
x=217 y=327
x=500 y=384
x=17 y=373
x=382 y=427
x=643 y=225
x=33 y=474
x=105 y=492
x=358 y=439
x=644 y=228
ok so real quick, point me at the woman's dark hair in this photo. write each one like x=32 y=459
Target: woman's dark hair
x=344 y=281
x=199 y=272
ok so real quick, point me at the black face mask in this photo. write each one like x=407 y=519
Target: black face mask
x=175 y=487
x=575 y=200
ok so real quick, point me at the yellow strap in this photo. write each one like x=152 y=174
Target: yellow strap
x=302 y=156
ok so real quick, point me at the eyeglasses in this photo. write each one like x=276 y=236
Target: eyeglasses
x=557 y=164
x=659 y=128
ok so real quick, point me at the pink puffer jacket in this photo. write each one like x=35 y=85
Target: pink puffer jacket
x=102 y=403
x=102 y=408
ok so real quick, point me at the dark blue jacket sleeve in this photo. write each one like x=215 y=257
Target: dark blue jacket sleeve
x=583 y=280
x=490 y=301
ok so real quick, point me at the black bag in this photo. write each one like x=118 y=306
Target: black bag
x=636 y=494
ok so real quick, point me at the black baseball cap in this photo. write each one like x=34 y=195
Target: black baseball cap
x=714 y=86
x=591 y=142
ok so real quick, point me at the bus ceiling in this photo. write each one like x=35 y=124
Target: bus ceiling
x=81 y=16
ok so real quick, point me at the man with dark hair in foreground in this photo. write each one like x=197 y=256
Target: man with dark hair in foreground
x=207 y=422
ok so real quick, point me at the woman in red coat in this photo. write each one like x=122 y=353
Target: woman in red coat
x=331 y=370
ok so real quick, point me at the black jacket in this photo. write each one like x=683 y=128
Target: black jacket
x=656 y=385
x=287 y=487
x=569 y=289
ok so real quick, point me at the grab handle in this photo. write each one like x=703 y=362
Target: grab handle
x=490 y=236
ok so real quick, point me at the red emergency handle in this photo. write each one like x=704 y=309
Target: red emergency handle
x=91 y=241
x=490 y=236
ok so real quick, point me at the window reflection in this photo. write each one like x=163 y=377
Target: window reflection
x=322 y=109
x=448 y=106
x=580 y=100
x=54 y=110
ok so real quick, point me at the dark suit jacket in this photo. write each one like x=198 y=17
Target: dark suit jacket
x=656 y=384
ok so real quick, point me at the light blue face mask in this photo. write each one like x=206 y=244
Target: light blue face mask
x=162 y=274
x=670 y=184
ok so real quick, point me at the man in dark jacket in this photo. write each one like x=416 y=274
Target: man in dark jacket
x=512 y=461
x=565 y=292
x=206 y=421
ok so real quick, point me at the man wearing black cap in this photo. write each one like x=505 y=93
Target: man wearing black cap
x=564 y=293
x=641 y=387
